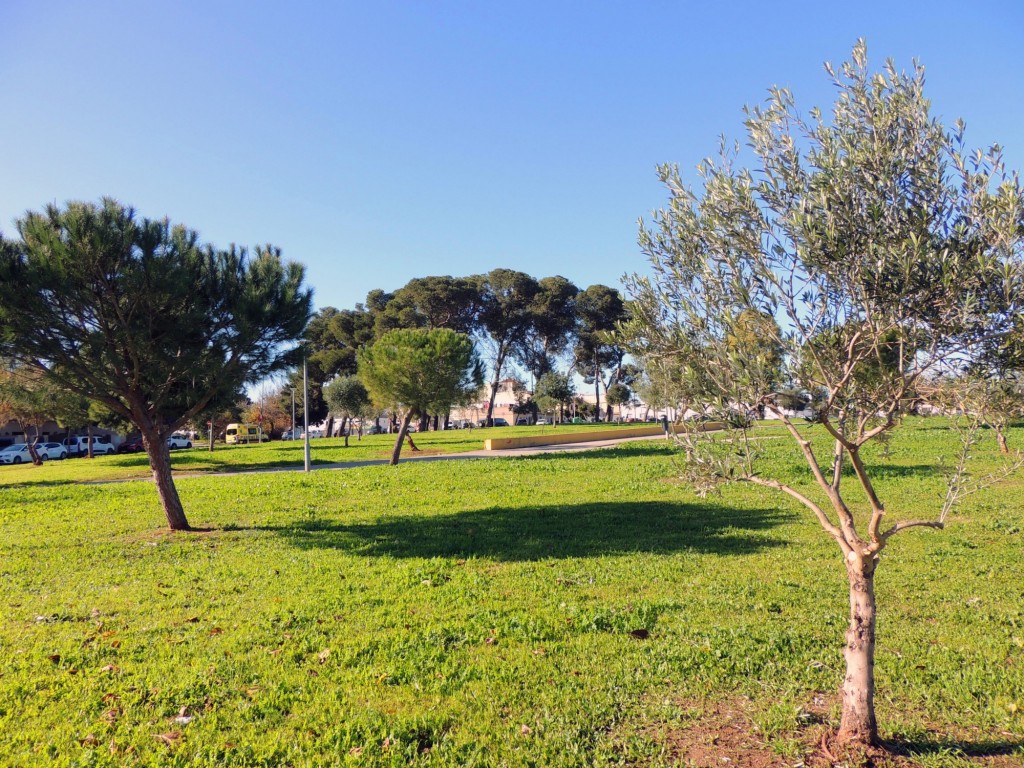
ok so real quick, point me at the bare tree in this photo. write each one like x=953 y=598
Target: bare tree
x=889 y=255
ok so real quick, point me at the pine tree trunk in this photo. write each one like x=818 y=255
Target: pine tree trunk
x=211 y=437
x=401 y=438
x=89 y=433
x=858 y=726
x=344 y=429
x=160 y=462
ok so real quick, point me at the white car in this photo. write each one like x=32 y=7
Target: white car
x=51 y=451
x=79 y=446
x=15 y=454
x=178 y=440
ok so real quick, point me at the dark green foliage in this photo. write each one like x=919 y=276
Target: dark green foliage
x=142 y=318
x=420 y=371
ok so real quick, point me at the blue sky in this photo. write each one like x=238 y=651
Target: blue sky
x=380 y=141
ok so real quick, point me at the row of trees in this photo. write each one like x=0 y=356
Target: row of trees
x=519 y=322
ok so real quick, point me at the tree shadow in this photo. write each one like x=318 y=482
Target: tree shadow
x=35 y=484
x=947 y=746
x=541 y=532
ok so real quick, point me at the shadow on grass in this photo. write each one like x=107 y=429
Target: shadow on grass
x=533 y=533
x=962 y=748
x=37 y=484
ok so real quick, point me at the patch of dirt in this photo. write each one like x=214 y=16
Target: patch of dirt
x=721 y=734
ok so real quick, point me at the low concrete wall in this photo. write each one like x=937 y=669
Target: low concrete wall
x=563 y=435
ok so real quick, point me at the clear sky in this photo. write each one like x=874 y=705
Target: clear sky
x=379 y=141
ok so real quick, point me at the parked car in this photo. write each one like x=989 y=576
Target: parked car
x=374 y=429
x=542 y=422
x=51 y=451
x=132 y=445
x=313 y=433
x=15 y=454
x=178 y=440
x=78 y=445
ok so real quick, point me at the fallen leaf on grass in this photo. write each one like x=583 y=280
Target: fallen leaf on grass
x=216 y=631
x=640 y=634
x=111 y=668
x=170 y=738
x=54 y=657
x=525 y=730
x=356 y=751
x=89 y=741
x=110 y=697
x=251 y=691
x=192 y=620
x=324 y=655
x=111 y=714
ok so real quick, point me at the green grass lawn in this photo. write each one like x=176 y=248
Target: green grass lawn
x=275 y=454
x=560 y=610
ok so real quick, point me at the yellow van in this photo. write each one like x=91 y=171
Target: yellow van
x=242 y=433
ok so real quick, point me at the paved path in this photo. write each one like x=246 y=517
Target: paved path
x=411 y=456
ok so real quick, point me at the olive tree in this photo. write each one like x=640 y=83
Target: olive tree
x=347 y=397
x=889 y=254
x=416 y=370
x=140 y=317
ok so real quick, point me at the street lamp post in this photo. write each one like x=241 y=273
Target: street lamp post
x=305 y=413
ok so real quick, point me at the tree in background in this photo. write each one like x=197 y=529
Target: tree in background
x=893 y=255
x=414 y=371
x=347 y=397
x=267 y=412
x=554 y=391
x=432 y=302
x=600 y=310
x=552 y=326
x=142 y=318
x=27 y=397
x=504 y=320
x=618 y=395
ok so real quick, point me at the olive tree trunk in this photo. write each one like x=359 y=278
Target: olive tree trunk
x=858 y=725
x=160 y=462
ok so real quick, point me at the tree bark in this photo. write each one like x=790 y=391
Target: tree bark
x=160 y=462
x=401 y=438
x=89 y=434
x=344 y=429
x=858 y=726
x=211 y=437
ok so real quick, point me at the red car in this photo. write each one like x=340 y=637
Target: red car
x=132 y=445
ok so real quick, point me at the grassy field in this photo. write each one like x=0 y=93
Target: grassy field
x=276 y=454
x=569 y=610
